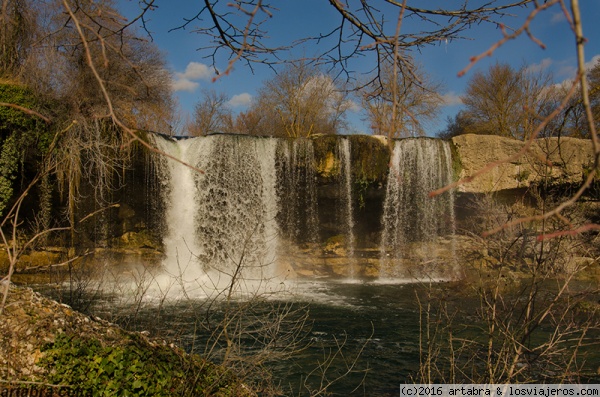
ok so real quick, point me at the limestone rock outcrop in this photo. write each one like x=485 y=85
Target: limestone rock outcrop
x=511 y=165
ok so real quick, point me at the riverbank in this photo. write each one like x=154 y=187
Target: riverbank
x=48 y=346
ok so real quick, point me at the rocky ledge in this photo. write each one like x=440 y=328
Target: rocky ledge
x=559 y=160
x=48 y=347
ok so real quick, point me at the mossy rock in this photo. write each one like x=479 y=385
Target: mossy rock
x=336 y=245
x=135 y=240
x=134 y=367
x=327 y=163
x=370 y=159
x=47 y=343
x=457 y=165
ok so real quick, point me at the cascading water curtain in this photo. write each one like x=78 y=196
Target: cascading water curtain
x=180 y=197
x=297 y=190
x=346 y=207
x=413 y=221
x=221 y=222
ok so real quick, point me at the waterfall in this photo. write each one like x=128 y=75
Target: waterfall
x=297 y=190
x=412 y=221
x=345 y=182
x=221 y=222
x=179 y=192
x=254 y=208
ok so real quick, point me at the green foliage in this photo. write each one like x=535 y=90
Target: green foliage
x=134 y=369
x=30 y=131
x=361 y=186
x=13 y=119
x=9 y=157
x=523 y=175
x=23 y=137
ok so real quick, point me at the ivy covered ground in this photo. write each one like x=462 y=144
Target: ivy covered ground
x=49 y=347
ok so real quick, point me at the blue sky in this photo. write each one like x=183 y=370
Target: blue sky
x=192 y=71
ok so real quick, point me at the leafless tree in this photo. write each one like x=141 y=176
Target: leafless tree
x=506 y=101
x=239 y=30
x=301 y=101
x=250 y=122
x=47 y=49
x=18 y=32
x=211 y=114
x=401 y=107
x=572 y=120
x=521 y=318
x=580 y=86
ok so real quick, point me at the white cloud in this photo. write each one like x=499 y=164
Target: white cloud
x=451 y=99
x=184 y=85
x=589 y=65
x=240 y=100
x=196 y=71
x=187 y=80
x=539 y=67
x=558 y=17
x=569 y=71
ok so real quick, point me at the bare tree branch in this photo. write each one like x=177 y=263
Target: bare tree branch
x=26 y=110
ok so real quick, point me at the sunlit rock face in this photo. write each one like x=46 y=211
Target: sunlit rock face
x=509 y=164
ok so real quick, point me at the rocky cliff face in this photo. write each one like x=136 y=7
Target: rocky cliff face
x=511 y=165
x=330 y=191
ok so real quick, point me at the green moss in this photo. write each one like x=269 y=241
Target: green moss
x=9 y=163
x=457 y=165
x=324 y=147
x=523 y=175
x=135 y=368
x=370 y=159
